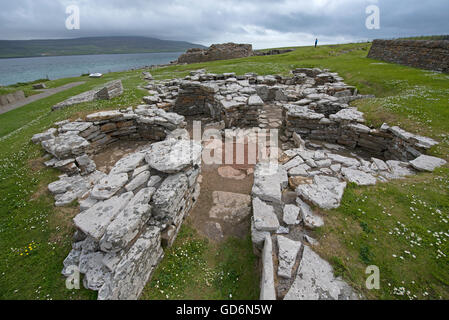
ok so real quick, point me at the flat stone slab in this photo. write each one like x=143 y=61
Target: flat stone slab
x=95 y=220
x=311 y=220
x=267 y=290
x=65 y=145
x=140 y=180
x=230 y=207
x=128 y=163
x=255 y=100
x=172 y=156
x=265 y=218
x=108 y=186
x=287 y=252
x=349 y=115
x=325 y=192
x=269 y=182
x=358 y=177
x=127 y=224
x=315 y=281
x=427 y=163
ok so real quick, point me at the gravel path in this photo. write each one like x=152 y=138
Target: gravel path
x=44 y=94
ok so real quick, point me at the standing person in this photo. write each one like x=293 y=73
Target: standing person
x=316 y=42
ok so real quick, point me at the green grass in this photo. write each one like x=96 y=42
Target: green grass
x=415 y=99
x=196 y=269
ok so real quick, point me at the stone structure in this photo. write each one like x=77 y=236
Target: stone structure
x=217 y=52
x=130 y=213
x=272 y=52
x=110 y=90
x=425 y=54
x=11 y=98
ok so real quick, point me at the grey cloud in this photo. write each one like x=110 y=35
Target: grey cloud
x=265 y=23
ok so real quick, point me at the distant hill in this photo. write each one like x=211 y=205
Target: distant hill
x=92 y=45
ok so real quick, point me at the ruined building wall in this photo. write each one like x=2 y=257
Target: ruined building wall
x=430 y=55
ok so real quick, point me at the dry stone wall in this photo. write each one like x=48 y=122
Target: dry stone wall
x=130 y=214
x=223 y=51
x=12 y=98
x=430 y=55
x=110 y=90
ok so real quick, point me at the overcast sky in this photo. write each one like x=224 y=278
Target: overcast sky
x=263 y=23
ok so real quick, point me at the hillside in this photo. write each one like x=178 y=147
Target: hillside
x=93 y=45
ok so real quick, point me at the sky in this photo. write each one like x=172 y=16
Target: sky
x=263 y=23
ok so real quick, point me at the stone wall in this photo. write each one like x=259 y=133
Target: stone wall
x=217 y=52
x=110 y=90
x=130 y=214
x=11 y=98
x=430 y=55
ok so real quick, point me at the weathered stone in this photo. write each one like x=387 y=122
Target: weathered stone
x=349 y=114
x=345 y=161
x=128 y=223
x=128 y=163
x=213 y=231
x=86 y=164
x=140 y=180
x=171 y=156
x=427 y=163
x=108 y=186
x=315 y=280
x=167 y=198
x=65 y=146
x=268 y=183
x=325 y=192
x=134 y=270
x=267 y=290
x=291 y=213
x=229 y=172
x=311 y=220
x=358 y=177
x=255 y=100
x=257 y=236
x=47 y=135
x=95 y=220
x=217 y=52
x=265 y=218
x=288 y=250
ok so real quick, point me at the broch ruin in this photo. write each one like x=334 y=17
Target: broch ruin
x=131 y=211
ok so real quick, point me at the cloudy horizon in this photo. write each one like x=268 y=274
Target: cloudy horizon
x=263 y=23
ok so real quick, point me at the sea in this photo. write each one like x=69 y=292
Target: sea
x=16 y=70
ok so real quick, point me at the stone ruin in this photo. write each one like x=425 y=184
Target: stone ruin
x=223 y=51
x=129 y=214
x=110 y=90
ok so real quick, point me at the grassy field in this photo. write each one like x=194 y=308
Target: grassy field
x=402 y=226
